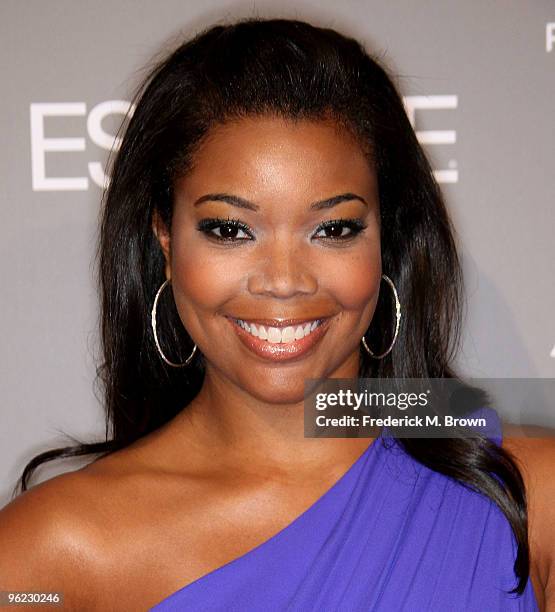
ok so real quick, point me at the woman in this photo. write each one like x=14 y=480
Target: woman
x=267 y=183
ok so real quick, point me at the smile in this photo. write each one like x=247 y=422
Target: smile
x=276 y=335
x=284 y=340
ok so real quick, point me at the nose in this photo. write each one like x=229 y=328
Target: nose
x=282 y=270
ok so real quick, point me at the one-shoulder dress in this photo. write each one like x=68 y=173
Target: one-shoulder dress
x=391 y=535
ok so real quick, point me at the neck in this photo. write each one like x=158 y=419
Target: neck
x=226 y=424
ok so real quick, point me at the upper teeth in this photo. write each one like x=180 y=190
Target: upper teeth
x=275 y=335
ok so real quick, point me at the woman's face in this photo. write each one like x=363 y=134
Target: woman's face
x=283 y=182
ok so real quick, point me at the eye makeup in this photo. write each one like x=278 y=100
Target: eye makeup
x=229 y=228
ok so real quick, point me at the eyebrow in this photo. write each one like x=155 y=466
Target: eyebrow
x=242 y=203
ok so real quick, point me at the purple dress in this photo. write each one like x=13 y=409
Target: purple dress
x=390 y=535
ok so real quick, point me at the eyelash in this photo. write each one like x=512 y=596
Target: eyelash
x=207 y=225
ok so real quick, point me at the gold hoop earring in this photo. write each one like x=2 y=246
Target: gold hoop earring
x=153 y=323
x=397 y=322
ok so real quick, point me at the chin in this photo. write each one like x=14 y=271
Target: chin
x=277 y=393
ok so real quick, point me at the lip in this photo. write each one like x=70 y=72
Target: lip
x=281 y=351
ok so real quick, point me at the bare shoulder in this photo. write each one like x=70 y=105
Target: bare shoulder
x=533 y=448
x=120 y=521
x=47 y=541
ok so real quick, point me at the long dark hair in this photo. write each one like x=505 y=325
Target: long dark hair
x=295 y=70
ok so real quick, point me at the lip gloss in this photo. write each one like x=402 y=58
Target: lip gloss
x=282 y=351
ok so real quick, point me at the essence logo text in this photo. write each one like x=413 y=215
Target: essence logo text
x=41 y=145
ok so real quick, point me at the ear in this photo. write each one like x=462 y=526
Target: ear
x=163 y=236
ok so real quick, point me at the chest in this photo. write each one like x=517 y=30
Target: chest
x=436 y=542
x=154 y=549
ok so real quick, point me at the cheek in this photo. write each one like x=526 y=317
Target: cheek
x=354 y=278
x=207 y=280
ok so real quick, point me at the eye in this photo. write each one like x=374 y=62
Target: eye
x=228 y=229
x=340 y=229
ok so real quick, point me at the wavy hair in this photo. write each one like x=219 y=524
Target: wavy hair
x=295 y=70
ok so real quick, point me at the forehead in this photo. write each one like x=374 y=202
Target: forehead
x=274 y=152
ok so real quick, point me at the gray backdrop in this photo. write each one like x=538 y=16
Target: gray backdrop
x=478 y=82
